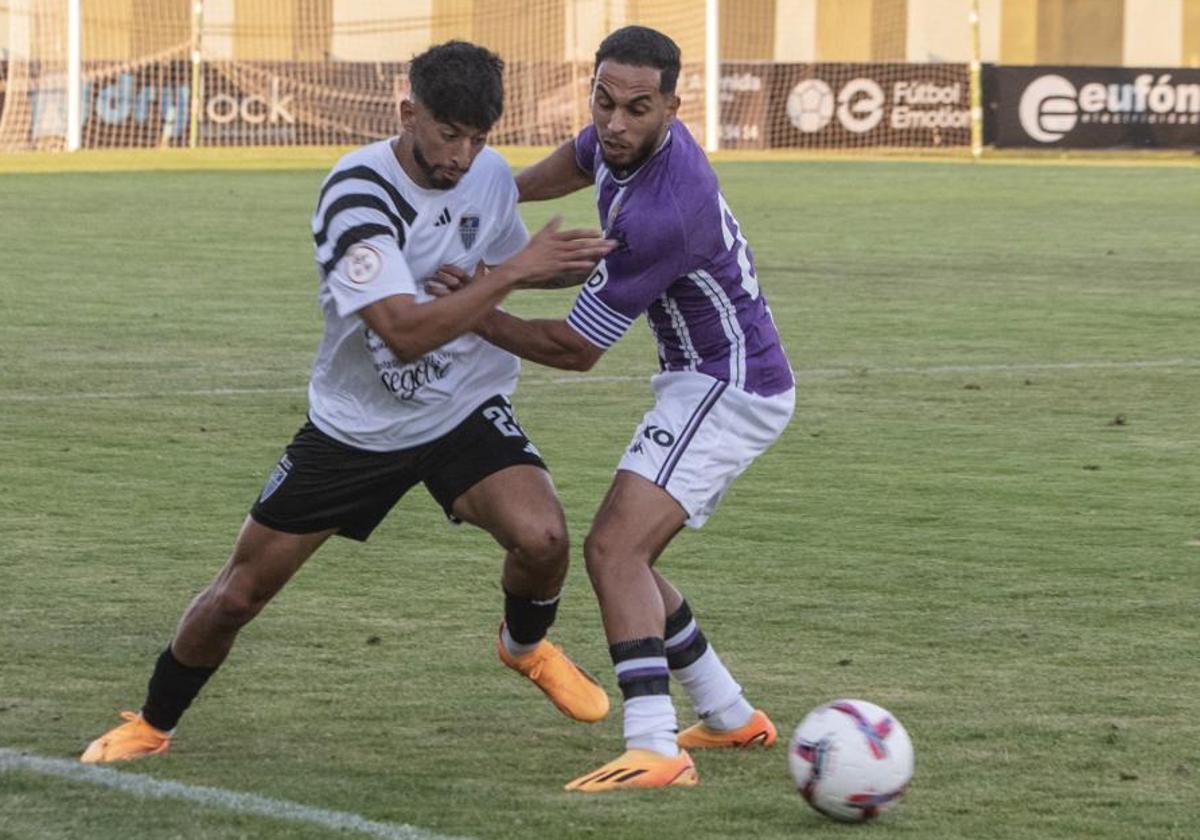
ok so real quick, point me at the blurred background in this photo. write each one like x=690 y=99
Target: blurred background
x=761 y=74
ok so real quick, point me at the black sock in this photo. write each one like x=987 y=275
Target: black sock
x=528 y=619
x=641 y=667
x=685 y=641
x=173 y=687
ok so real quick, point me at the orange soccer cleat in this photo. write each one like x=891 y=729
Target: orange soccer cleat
x=638 y=769
x=758 y=732
x=133 y=739
x=573 y=690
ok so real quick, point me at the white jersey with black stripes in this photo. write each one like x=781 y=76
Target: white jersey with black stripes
x=378 y=234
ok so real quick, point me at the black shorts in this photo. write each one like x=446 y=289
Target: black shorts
x=322 y=483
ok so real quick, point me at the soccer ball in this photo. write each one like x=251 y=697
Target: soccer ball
x=810 y=105
x=851 y=760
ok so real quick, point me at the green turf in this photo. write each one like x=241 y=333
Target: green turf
x=984 y=515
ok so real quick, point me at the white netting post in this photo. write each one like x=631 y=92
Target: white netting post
x=712 y=75
x=196 y=109
x=976 y=79
x=74 y=75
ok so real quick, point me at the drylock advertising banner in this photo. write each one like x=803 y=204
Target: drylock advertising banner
x=1093 y=107
x=764 y=105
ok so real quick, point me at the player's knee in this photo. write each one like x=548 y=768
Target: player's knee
x=232 y=605
x=543 y=544
x=601 y=555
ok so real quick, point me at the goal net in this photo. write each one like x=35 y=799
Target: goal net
x=829 y=74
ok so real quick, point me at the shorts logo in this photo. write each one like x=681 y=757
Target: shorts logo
x=277 y=477
x=660 y=436
x=468 y=230
x=363 y=263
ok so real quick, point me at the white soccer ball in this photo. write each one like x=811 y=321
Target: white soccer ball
x=851 y=760
x=810 y=105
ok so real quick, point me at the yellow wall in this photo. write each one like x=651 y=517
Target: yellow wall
x=452 y=19
x=889 y=30
x=1153 y=40
x=843 y=30
x=862 y=30
x=282 y=30
x=314 y=30
x=683 y=20
x=357 y=37
x=747 y=30
x=262 y=29
x=1143 y=32
x=536 y=32
x=795 y=30
x=161 y=26
x=1081 y=31
x=107 y=26
x=1018 y=32
x=1191 y=33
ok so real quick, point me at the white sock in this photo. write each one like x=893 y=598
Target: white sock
x=715 y=693
x=650 y=724
x=514 y=647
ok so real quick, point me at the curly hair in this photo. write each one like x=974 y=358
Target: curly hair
x=459 y=83
x=640 y=46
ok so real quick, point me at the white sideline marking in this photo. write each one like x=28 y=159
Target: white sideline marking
x=228 y=800
x=844 y=372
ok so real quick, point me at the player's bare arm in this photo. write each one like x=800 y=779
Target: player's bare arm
x=412 y=329
x=548 y=342
x=553 y=176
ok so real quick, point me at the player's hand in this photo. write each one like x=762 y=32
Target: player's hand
x=450 y=279
x=554 y=253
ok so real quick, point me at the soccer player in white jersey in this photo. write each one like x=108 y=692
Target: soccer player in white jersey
x=724 y=394
x=403 y=393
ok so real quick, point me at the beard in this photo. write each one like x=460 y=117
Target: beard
x=431 y=172
x=637 y=157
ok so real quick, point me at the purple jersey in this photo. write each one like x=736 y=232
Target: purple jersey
x=682 y=260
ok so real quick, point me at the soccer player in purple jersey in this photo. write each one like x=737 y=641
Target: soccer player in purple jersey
x=724 y=392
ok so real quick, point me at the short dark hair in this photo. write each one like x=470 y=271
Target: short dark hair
x=459 y=83
x=641 y=46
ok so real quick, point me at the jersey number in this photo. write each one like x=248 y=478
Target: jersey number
x=735 y=242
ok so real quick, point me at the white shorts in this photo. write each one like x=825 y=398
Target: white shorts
x=702 y=434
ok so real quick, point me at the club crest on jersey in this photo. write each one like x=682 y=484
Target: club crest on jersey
x=468 y=230
x=613 y=211
x=277 y=477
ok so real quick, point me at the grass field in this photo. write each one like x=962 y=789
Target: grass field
x=985 y=516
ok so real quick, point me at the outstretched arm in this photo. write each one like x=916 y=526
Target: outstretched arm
x=412 y=329
x=553 y=176
x=548 y=342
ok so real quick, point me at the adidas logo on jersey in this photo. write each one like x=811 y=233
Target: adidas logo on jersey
x=443 y=218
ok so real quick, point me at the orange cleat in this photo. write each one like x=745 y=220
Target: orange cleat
x=639 y=769
x=575 y=692
x=758 y=732
x=133 y=739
